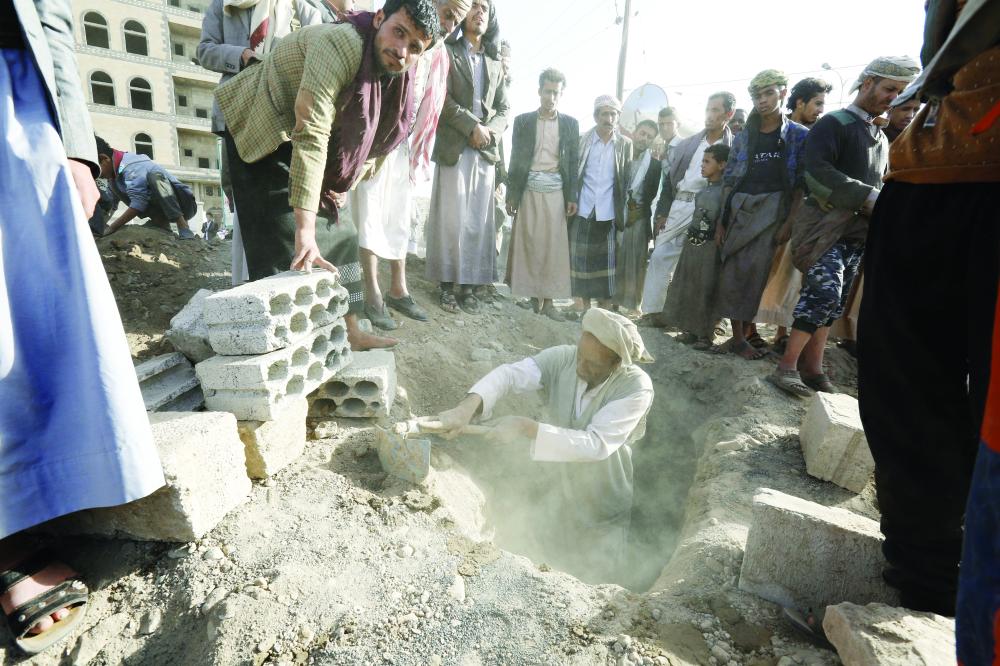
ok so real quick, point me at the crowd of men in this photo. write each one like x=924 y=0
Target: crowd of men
x=763 y=217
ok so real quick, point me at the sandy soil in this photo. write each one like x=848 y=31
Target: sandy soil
x=331 y=562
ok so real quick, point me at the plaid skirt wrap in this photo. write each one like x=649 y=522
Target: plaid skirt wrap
x=592 y=258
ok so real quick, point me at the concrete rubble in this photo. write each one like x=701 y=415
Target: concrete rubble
x=876 y=634
x=809 y=556
x=168 y=384
x=834 y=444
x=273 y=313
x=204 y=466
x=188 y=332
x=365 y=388
x=273 y=445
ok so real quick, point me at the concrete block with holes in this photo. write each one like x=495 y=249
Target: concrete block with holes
x=273 y=445
x=188 y=332
x=168 y=384
x=270 y=314
x=365 y=388
x=809 y=556
x=258 y=388
x=834 y=443
x=203 y=464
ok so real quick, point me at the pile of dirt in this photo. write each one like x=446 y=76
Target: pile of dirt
x=333 y=562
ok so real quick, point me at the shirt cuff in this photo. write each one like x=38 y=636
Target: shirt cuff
x=552 y=444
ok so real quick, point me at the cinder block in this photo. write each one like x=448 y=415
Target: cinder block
x=365 y=388
x=877 y=634
x=834 y=444
x=276 y=312
x=272 y=445
x=168 y=384
x=188 y=332
x=205 y=470
x=806 y=555
x=257 y=388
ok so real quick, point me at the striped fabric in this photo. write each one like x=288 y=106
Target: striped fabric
x=592 y=258
x=977 y=624
x=315 y=63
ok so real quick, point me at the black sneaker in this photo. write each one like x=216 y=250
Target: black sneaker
x=407 y=306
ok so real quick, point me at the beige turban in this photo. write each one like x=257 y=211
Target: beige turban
x=901 y=68
x=618 y=334
x=607 y=101
x=460 y=7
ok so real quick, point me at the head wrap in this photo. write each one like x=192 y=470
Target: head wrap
x=769 y=77
x=895 y=68
x=460 y=6
x=609 y=101
x=618 y=334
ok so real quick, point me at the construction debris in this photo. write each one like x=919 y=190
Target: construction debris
x=876 y=635
x=188 y=332
x=168 y=384
x=834 y=443
x=365 y=388
x=273 y=445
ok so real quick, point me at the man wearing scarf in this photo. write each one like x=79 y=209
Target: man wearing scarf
x=303 y=124
x=381 y=206
x=597 y=400
x=762 y=180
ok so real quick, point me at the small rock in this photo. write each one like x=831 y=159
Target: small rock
x=326 y=430
x=435 y=660
x=405 y=551
x=213 y=599
x=721 y=655
x=179 y=553
x=481 y=354
x=656 y=613
x=151 y=622
x=457 y=589
x=306 y=634
x=730 y=446
x=213 y=554
x=425 y=596
x=460 y=323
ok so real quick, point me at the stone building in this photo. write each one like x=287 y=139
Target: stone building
x=145 y=90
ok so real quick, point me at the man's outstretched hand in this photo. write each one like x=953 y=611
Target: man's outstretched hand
x=511 y=429
x=307 y=252
x=453 y=420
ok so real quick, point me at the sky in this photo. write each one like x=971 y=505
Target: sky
x=692 y=49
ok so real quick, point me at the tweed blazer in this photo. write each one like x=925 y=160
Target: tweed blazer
x=310 y=65
x=48 y=33
x=623 y=156
x=457 y=120
x=523 y=152
x=224 y=37
x=680 y=160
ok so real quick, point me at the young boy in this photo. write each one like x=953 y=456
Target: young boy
x=147 y=189
x=690 y=301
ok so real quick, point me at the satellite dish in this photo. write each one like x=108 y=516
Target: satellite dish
x=643 y=103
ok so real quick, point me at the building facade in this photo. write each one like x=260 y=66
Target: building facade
x=145 y=90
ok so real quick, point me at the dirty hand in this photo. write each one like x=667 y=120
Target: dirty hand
x=306 y=250
x=572 y=209
x=453 y=420
x=83 y=178
x=480 y=137
x=660 y=223
x=511 y=429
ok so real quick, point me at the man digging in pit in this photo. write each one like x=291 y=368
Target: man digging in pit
x=597 y=400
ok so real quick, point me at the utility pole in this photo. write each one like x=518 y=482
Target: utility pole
x=623 y=55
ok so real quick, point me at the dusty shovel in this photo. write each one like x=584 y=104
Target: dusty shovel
x=405 y=450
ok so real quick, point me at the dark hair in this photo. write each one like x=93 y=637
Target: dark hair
x=423 y=13
x=649 y=123
x=668 y=112
x=103 y=147
x=719 y=152
x=728 y=99
x=553 y=75
x=806 y=89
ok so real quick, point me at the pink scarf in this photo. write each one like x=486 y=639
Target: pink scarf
x=428 y=115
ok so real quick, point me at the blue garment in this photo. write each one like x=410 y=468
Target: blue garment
x=827 y=286
x=73 y=429
x=131 y=184
x=793 y=137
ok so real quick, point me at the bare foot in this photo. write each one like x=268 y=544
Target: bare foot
x=32 y=587
x=361 y=341
x=748 y=351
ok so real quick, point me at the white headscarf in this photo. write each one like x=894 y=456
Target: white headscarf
x=618 y=334
x=895 y=68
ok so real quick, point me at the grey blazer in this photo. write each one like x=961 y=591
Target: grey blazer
x=680 y=160
x=48 y=34
x=623 y=156
x=225 y=36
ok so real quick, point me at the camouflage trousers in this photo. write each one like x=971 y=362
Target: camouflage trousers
x=827 y=286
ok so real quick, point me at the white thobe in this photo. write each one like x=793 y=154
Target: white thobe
x=598 y=192
x=607 y=431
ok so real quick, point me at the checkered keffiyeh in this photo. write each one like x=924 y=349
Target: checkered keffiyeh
x=896 y=68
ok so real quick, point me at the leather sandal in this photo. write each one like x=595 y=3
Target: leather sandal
x=71 y=594
x=790 y=382
x=820 y=383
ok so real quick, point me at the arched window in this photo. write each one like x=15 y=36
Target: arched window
x=102 y=90
x=135 y=38
x=95 y=30
x=140 y=94
x=143 y=145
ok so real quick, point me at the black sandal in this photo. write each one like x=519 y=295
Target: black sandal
x=448 y=302
x=71 y=594
x=469 y=303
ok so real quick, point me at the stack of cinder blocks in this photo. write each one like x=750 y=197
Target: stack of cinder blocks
x=365 y=388
x=277 y=340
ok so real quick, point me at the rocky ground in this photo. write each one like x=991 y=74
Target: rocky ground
x=331 y=562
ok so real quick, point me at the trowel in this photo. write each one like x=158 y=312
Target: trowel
x=405 y=450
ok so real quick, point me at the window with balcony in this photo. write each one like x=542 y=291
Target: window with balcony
x=135 y=38
x=95 y=30
x=140 y=94
x=201 y=113
x=203 y=163
x=102 y=89
x=143 y=145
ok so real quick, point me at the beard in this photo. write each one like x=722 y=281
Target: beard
x=380 y=67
